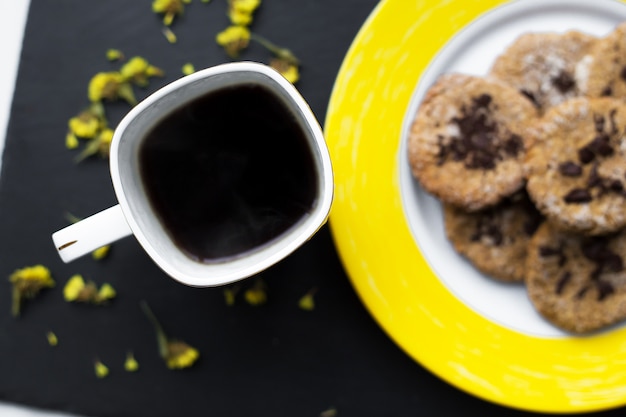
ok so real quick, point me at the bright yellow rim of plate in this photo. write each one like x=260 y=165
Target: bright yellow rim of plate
x=363 y=129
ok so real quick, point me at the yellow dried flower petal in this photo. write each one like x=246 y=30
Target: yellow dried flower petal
x=279 y=52
x=331 y=412
x=307 y=302
x=188 y=68
x=135 y=66
x=286 y=69
x=131 y=364
x=138 y=70
x=247 y=6
x=106 y=292
x=71 y=141
x=234 y=39
x=101 y=252
x=27 y=283
x=239 y=17
x=100 y=369
x=169 y=35
x=86 y=125
x=104 y=139
x=100 y=145
x=256 y=295
x=73 y=288
x=105 y=85
x=175 y=353
x=37 y=273
x=181 y=355
x=169 y=8
x=52 y=338
x=230 y=294
x=114 y=55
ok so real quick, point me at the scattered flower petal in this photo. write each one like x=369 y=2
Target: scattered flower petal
x=52 y=338
x=137 y=70
x=27 y=283
x=170 y=35
x=256 y=295
x=73 y=288
x=287 y=69
x=71 y=141
x=115 y=55
x=331 y=412
x=105 y=86
x=233 y=39
x=86 y=125
x=77 y=290
x=106 y=292
x=169 y=9
x=176 y=353
x=188 y=69
x=131 y=364
x=307 y=302
x=101 y=370
x=280 y=52
x=229 y=294
x=101 y=252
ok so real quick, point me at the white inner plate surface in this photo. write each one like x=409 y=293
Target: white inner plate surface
x=472 y=51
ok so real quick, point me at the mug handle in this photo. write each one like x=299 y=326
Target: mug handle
x=91 y=233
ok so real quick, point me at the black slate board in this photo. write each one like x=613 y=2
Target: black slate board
x=274 y=360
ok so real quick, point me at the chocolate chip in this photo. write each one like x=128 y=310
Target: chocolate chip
x=577 y=196
x=547 y=251
x=570 y=169
x=604 y=289
x=598 y=120
x=614 y=129
x=481 y=160
x=581 y=293
x=514 y=145
x=477 y=144
x=585 y=155
x=608 y=91
x=616 y=186
x=601 y=145
x=564 y=82
x=594 y=179
x=562 y=282
x=483 y=100
x=597 y=250
x=622 y=74
x=487 y=228
x=531 y=97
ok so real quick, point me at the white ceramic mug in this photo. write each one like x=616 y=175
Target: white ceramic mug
x=136 y=215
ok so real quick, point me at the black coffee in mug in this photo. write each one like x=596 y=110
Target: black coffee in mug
x=228 y=172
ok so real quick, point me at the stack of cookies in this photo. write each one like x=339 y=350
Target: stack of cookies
x=529 y=163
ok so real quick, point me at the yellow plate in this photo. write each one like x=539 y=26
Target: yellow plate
x=389 y=233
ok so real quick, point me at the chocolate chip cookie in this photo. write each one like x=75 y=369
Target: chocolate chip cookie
x=467 y=141
x=602 y=72
x=577 y=282
x=576 y=165
x=495 y=239
x=543 y=65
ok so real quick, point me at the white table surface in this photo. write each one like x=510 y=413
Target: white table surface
x=13 y=14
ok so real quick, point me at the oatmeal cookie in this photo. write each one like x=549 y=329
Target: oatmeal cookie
x=602 y=72
x=495 y=239
x=576 y=165
x=577 y=282
x=542 y=66
x=467 y=141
